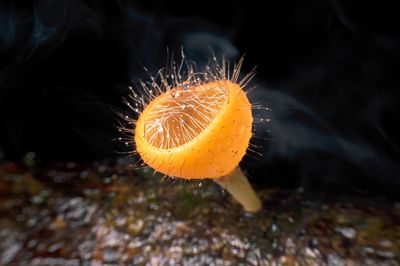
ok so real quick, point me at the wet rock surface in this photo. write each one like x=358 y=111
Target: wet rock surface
x=109 y=214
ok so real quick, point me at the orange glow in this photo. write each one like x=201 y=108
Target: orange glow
x=196 y=131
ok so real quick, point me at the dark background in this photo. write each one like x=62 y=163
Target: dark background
x=327 y=69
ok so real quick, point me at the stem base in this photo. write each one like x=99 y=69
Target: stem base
x=238 y=186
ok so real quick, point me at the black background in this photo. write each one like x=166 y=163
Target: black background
x=328 y=70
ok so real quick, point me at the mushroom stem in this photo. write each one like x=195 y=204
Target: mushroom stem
x=238 y=186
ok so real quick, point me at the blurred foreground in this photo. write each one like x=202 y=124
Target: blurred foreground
x=107 y=213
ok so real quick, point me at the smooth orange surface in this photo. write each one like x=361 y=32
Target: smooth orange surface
x=212 y=153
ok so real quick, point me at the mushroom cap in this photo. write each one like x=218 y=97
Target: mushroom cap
x=196 y=131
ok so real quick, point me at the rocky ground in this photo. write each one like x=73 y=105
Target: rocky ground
x=106 y=213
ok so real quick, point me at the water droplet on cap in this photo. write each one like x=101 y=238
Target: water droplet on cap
x=175 y=94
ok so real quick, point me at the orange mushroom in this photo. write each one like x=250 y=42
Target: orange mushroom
x=198 y=125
